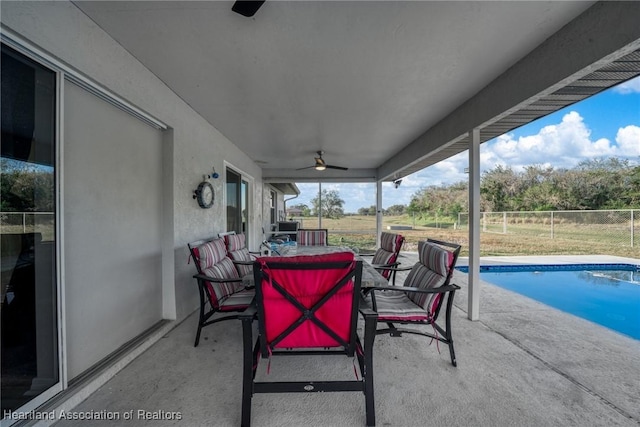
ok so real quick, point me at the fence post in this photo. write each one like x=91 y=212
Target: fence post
x=504 y=222
x=24 y=222
x=552 y=225
x=632 y=226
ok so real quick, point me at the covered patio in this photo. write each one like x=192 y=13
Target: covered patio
x=523 y=364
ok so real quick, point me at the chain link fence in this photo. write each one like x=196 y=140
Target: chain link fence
x=28 y=222
x=618 y=227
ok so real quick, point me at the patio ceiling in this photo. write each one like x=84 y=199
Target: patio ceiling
x=385 y=88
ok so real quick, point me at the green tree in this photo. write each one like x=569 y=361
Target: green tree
x=332 y=204
x=631 y=194
x=443 y=200
x=371 y=210
x=26 y=189
x=395 y=210
x=609 y=183
x=499 y=187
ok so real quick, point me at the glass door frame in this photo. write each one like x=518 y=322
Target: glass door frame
x=44 y=60
x=63 y=74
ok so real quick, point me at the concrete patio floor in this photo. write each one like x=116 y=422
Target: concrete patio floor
x=522 y=364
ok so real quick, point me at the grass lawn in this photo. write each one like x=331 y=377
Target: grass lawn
x=569 y=240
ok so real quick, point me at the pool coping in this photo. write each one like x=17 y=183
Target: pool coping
x=553 y=267
x=551 y=259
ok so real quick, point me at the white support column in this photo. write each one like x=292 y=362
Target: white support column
x=474 y=226
x=319 y=204
x=378 y=212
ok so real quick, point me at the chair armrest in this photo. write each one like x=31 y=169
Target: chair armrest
x=391 y=267
x=439 y=290
x=365 y=310
x=215 y=279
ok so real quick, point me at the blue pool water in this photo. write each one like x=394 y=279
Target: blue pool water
x=607 y=294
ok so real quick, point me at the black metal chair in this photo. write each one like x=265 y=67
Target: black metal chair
x=419 y=300
x=220 y=286
x=385 y=259
x=308 y=305
x=238 y=253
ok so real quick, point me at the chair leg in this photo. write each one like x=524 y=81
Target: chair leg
x=200 y=322
x=454 y=362
x=369 y=337
x=449 y=335
x=198 y=336
x=247 y=370
x=201 y=316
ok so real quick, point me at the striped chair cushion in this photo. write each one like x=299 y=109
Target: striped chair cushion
x=242 y=255
x=434 y=257
x=211 y=253
x=237 y=300
x=390 y=242
x=396 y=306
x=430 y=272
x=312 y=237
x=237 y=251
x=235 y=242
x=225 y=269
x=383 y=257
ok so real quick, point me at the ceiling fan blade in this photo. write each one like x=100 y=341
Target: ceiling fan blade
x=308 y=167
x=336 y=167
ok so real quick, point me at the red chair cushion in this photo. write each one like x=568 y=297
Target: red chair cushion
x=308 y=287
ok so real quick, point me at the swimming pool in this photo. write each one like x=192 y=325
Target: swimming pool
x=607 y=294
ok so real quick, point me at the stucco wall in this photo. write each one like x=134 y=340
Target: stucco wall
x=63 y=31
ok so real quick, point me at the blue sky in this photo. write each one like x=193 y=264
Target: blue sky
x=604 y=125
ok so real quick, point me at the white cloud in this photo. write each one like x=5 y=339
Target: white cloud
x=562 y=145
x=628 y=139
x=630 y=86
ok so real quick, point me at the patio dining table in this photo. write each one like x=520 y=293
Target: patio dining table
x=370 y=276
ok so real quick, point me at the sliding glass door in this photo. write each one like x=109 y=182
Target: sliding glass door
x=29 y=300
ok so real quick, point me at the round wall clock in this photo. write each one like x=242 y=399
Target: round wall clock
x=204 y=195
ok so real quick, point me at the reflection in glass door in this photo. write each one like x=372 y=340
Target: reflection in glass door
x=233 y=201
x=237 y=203
x=29 y=351
x=244 y=204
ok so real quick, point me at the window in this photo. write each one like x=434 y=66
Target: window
x=272 y=207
